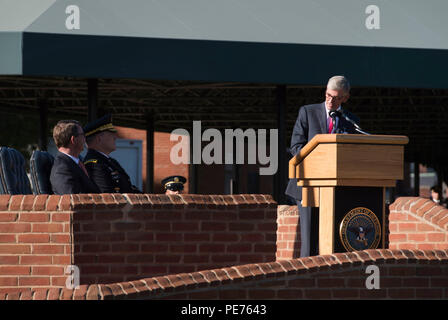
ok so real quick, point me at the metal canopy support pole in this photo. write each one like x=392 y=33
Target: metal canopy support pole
x=43 y=127
x=280 y=178
x=149 y=152
x=192 y=168
x=92 y=99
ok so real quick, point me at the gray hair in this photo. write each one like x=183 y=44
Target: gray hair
x=339 y=83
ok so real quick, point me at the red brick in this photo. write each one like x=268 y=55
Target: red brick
x=8 y=281
x=227 y=237
x=15 y=202
x=330 y=283
x=8 y=260
x=196 y=258
x=59 y=281
x=64 y=260
x=53 y=271
x=34 y=217
x=96 y=247
x=8 y=238
x=34 y=281
x=60 y=238
x=214 y=226
x=47 y=249
x=421 y=237
x=416 y=282
x=60 y=217
x=425 y=246
x=407 y=227
x=33 y=238
x=239 y=248
x=65 y=203
x=317 y=294
x=15 y=270
x=127 y=226
x=14 y=249
x=158 y=226
x=346 y=293
x=4 y=202
x=183 y=248
x=401 y=293
x=261 y=294
x=154 y=247
x=124 y=247
x=96 y=227
x=436 y=237
x=234 y=294
x=253 y=258
x=28 y=202
x=185 y=226
x=113 y=259
x=397 y=216
x=397 y=237
x=168 y=237
x=32 y=260
x=48 y=227
x=429 y=271
x=429 y=293
x=15 y=227
x=8 y=217
x=53 y=202
x=224 y=258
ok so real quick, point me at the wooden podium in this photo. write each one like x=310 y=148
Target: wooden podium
x=346 y=176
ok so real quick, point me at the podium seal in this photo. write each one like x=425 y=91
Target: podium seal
x=360 y=229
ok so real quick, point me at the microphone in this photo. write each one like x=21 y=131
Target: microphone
x=355 y=125
x=333 y=114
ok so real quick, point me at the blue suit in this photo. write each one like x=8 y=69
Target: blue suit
x=68 y=178
x=312 y=120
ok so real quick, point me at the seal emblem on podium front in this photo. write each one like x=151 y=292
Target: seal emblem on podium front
x=360 y=229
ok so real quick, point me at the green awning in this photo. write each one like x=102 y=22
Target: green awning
x=284 y=41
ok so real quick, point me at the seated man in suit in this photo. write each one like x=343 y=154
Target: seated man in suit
x=68 y=174
x=105 y=171
x=174 y=184
x=315 y=119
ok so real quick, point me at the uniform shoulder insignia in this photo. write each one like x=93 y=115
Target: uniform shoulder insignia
x=91 y=161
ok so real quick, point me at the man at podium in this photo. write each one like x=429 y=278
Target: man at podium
x=325 y=117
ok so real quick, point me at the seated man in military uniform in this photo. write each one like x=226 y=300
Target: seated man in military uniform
x=174 y=184
x=105 y=171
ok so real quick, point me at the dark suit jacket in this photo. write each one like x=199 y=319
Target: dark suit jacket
x=312 y=120
x=68 y=178
x=108 y=174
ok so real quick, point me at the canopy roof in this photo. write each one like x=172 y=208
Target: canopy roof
x=285 y=41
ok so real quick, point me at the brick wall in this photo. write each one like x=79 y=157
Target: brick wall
x=417 y=223
x=402 y=274
x=288 y=232
x=35 y=241
x=113 y=238
x=155 y=246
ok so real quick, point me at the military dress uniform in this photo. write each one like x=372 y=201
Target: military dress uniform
x=108 y=174
x=105 y=171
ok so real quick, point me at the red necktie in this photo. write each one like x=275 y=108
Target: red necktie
x=330 y=125
x=83 y=167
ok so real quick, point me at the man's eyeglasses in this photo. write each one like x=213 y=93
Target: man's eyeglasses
x=336 y=98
